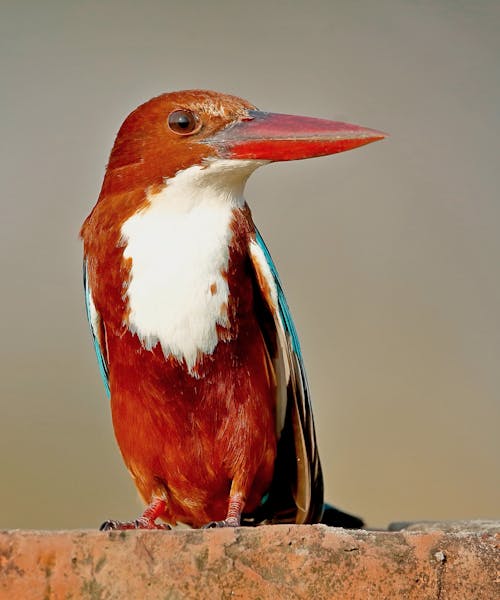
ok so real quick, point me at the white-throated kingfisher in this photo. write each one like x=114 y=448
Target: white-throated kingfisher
x=194 y=339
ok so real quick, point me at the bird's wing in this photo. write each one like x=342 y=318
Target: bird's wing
x=97 y=330
x=296 y=494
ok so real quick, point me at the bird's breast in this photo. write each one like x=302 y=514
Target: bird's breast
x=178 y=292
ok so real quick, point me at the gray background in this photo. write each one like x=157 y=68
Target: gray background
x=389 y=254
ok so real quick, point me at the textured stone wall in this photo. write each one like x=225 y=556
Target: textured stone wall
x=437 y=561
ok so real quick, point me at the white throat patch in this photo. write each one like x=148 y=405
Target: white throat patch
x=179 y=246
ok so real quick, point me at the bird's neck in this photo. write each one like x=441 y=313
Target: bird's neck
x=218 y=183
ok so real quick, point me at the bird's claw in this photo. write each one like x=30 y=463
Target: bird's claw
x=110 y=525
x=229 y=522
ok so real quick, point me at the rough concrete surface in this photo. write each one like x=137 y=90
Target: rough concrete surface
x=292 y=562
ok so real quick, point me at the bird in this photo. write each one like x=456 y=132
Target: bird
x=194 y=339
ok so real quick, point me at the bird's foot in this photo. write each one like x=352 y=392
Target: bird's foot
x=233 y=516
x=140 y=523
x=229 y=522
x=146 y=521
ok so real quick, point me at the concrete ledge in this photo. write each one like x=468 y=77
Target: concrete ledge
x=432 y=562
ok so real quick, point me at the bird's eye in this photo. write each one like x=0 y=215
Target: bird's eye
x=183 y=122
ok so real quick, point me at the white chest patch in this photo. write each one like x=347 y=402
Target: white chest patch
x=179 y=246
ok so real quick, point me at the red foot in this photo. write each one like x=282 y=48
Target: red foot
x=139 y=523
x=233 y=517
x=146 y=521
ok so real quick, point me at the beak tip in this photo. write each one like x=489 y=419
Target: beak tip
x=375 y=135
x=372 y=135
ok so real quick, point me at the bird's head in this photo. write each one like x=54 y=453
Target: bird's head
x=178 y=130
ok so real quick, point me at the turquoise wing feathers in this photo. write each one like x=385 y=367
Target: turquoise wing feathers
x=94 y=320
x=285 y=314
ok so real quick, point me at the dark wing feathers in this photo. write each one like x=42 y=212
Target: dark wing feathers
x=296 y=493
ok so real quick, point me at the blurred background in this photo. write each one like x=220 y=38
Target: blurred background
x=389 y=254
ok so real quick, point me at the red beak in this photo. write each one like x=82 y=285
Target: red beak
x=273 y=137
